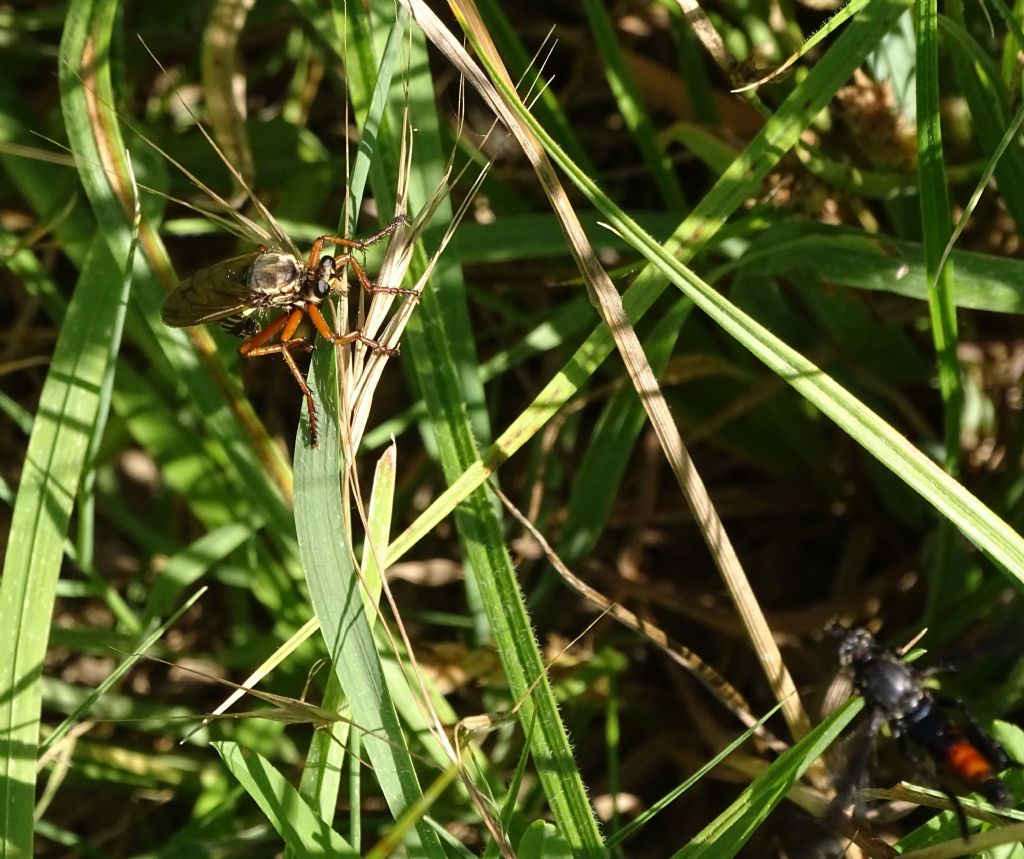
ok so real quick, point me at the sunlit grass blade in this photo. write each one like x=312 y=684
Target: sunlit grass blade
x=299 y=826
x=727 y=834
x=779 y=135
x=441 y=345
x=336 y=593
x=68 y=411
x=975 y=520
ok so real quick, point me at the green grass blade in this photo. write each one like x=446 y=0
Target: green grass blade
x=979 y=80
x=303 y=832
x=337 y=598
x=72 y=408
x=440 y=341
x=642 y=819
x=68 y=410
x=727 y=834
x=936 y=227
x=857 y=259
x=627 y=96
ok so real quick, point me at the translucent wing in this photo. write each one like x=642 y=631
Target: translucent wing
x=212 y=293
x=236 y=287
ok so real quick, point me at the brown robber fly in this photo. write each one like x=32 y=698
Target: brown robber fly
x=235 y=292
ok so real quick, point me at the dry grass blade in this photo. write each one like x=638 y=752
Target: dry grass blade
x=281 y=239
x=727 y=694
x=224 y=83
x=705 y=31
x=609 y=303
x=393 y=270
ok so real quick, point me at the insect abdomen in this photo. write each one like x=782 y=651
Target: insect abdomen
x=241 y=325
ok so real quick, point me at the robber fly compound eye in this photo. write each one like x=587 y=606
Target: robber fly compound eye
x=326 y=275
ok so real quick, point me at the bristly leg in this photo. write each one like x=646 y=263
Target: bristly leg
x=351 y=337
x=285 y=329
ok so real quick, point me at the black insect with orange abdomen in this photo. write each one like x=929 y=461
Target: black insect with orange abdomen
x=234 y=292
x=893 y=693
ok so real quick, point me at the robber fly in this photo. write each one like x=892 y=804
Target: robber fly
x=233 y=293
x=917 y=716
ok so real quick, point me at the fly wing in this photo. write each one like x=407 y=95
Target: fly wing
x=212 y=293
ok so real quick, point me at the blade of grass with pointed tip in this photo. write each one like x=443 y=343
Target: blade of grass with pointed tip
x=857 y=259
x=441 y=343
x=68 y=410
x=728 y=832
x=304 y=833
x=987 y=100
x=111 y=679
x=660 y=805
x=337 y=596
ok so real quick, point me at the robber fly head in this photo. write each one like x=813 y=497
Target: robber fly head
x=322 y=280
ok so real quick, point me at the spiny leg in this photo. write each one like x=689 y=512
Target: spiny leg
x=314 y=440
x=365 y=283
x=286 y=326
x=351 y=337
x=355 y=244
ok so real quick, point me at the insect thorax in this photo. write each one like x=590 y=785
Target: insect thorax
x=271 y=280
x=275 y=280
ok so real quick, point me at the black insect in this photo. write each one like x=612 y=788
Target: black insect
x=919 y=718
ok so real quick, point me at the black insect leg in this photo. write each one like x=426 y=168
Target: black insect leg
x=924 y=775
x=859 y=766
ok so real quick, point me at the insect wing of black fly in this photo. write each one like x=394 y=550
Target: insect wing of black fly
x=857 y=755
x=213 y=293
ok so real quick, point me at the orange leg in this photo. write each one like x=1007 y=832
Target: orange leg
x=351 y=337
x=355 y=244
x=364 y=282
x=264 y=334
x=286 y=327
x=348 y=259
